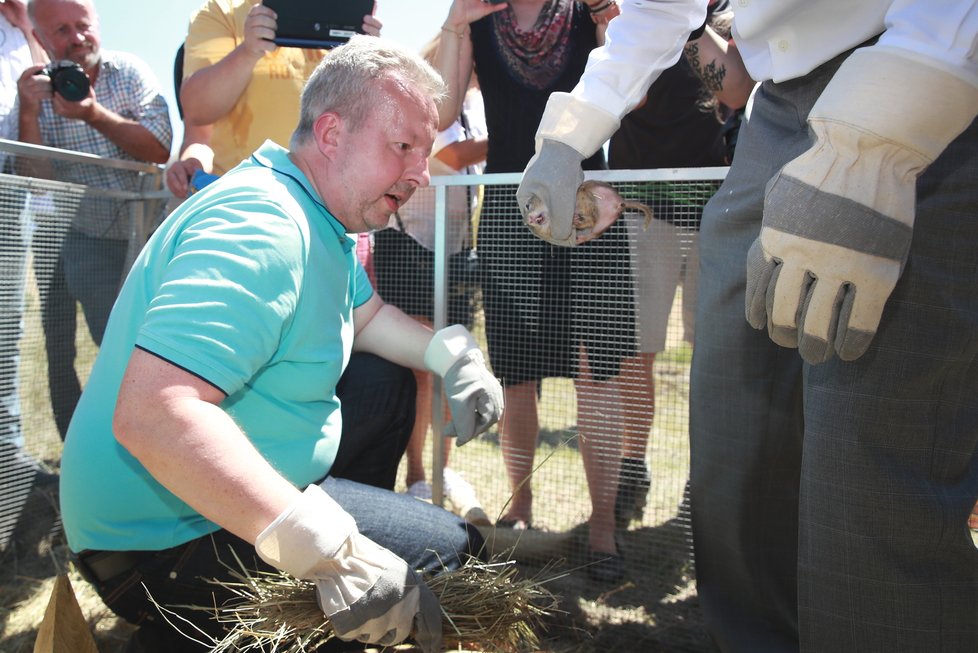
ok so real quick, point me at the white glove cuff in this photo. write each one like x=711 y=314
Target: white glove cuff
x=573 y=122
x=446 y=347
x=899 y=99
x=313 y=528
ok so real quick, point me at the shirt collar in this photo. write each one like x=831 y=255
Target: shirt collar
x=275 y=157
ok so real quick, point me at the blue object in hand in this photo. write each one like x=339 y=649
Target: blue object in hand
x=199 y=180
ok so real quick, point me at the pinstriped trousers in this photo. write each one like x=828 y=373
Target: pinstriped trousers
x=830 y=502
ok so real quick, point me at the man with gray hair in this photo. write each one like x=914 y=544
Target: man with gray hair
x=210 y=429
x=116 y=111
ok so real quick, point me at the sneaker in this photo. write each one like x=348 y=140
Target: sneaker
x=461 y=495
x=420 y=490
x=458 y=491
x=633 y=489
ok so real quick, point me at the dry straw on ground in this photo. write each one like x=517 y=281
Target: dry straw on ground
x=485 y=606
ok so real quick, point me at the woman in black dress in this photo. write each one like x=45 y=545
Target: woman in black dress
x=550 y=311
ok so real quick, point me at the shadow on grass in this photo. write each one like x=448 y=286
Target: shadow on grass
x=35 y=555
x=545 y=437
x=653 y=609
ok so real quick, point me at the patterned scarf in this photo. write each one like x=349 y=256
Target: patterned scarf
x=538 y=57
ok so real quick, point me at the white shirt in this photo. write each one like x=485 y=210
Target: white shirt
x=778 y=39
x=15 y=57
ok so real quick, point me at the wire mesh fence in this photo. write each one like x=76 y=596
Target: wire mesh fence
x=70 y=226
x=592 y=344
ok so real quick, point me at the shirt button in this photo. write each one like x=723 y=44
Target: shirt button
x=743 y=3
x=783 y=45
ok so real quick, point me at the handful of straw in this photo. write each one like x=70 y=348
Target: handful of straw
x=484 y=605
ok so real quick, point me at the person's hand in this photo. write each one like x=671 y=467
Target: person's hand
x=31 y=89
x=838 y=219
x=85 y=109
x=367 y=593
x=547 y=194
x=475 y=397
x=259 y=31
x=464 y=12
x=372 y=24
x=15 y=11
x=178 y=176
x=607 y=9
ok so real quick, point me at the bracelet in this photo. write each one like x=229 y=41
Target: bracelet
x=460 y=35
x=599 y=7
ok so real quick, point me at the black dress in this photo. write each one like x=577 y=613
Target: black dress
x=671 y=130
x=541 y=301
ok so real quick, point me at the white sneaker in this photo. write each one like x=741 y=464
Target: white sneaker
x=420 y=490
x=461 y=495
x=457 y=490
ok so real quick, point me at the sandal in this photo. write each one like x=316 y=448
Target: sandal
x=515 y=524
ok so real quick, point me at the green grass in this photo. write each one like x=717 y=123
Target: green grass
x=40 y=433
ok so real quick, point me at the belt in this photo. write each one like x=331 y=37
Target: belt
x=101 y=566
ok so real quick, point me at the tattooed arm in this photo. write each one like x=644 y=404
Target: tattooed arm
x=718 y=63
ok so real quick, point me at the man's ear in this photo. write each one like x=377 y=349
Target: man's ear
x=328 y=130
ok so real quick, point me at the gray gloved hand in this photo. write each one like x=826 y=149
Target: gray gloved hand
x=397 y=604
x=367 y=592
x=547 y=194
x=475 y=397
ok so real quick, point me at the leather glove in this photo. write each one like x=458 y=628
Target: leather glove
x=475 y=397
x=838 y=219
x=367 y=593
x=548 y=192
x=570 y=130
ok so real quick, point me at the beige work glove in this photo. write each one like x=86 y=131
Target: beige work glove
x=475 y=397
x=367 y=593
x=547 y=194
x=838 y=219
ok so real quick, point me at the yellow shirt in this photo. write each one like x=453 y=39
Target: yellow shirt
x=269 y=106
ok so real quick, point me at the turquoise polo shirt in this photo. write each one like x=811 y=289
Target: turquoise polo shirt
x=250 y=285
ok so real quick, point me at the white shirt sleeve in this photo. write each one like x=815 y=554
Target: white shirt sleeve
x=939 y=33
x=645 y=39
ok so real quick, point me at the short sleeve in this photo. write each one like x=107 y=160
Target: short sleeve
x=451 y=134
x=362 y=290
x=148 y=104
x=212 y=35
x=228 y=294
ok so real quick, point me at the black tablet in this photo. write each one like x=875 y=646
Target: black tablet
x=318 y=23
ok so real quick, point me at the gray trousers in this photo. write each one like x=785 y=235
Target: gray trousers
x=830 y=502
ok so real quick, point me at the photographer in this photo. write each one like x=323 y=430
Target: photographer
x=239 y=82
x=122 y=116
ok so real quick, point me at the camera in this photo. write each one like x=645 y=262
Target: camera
x=68 y=79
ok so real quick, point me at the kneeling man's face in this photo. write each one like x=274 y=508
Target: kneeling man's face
x=386 y=159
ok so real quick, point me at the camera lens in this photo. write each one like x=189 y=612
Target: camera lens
x=68 y=79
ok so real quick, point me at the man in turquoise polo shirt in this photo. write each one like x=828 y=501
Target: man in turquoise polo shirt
x=214 y=400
